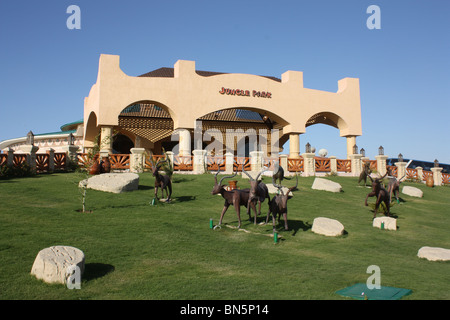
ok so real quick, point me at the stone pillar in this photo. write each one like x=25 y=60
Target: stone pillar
x=229 y=162
x=284 y=162
x=401 y=169
x=137 y=160
x=199 y=165
x=309 y=164
x=106 y=138
x=351 y=141
x=437 y=175
x=381 y=164
x=294 y=145
x=10 y=161
x=184 y=142
x=333 y=164
x=256 y=161
x=51 y=160
x=30 y=150
x=419 y=173
x=356 y=164
x=71 y=154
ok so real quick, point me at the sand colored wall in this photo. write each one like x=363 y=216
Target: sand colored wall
x=189 y=96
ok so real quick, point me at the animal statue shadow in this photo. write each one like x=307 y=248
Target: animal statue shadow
x=162 y=181
x=258 y=192
x=381 y=194
x=365 y=173
x=235 y=197
x=278 y=204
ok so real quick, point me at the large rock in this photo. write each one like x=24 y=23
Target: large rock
x=434 y=253
x=327 y=185
x=389 y=223
x=51 y=264
x=113 y=182
x=327 y=227
x=412 y=191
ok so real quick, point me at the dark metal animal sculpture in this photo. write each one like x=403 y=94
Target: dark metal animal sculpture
x=258 y=192
x=394 y=186
x=278 y=205
x=235 y=197
x=365 y=173
x=381 y=194
x=278 y=173
x=162 y=181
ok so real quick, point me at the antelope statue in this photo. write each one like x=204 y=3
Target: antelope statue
x=162 y=181
x=278 y=204
x=365 y=173
x=381 y=194
x=258 y=192
x=235 y=197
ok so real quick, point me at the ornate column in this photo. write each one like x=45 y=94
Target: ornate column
x=351 y=141
x=401 y=169
x=309 y=164
x=333 y=164
x=356 y=164
x=381 y=164
x=229 y=161
x=106 y=138
x=256 y=161
x=294 y=145
x=437 y=175
x=199 y=162
x=184 y=142
x=51 y=160
x=137 y=160
x=284 y=162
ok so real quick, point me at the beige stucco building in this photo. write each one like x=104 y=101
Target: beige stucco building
x=145 y=111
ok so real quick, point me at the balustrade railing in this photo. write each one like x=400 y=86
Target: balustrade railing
x=322 y=164
x=240 y=162
x=295 y=164
x=343 y=165
x=214 y=163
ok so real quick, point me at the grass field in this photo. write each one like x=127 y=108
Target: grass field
x=137 y=251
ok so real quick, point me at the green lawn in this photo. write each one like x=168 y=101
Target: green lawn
x=138 y=251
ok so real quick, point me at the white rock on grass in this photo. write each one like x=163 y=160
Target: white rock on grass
x=274 y=190
x=327 y=227
x=434 y=253
x=389 y=223
x=51 y=263
x=412 y=191
x=327 y=185
x=113 y=182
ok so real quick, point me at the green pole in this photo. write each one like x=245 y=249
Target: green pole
x=275 y=237
x=210 y=223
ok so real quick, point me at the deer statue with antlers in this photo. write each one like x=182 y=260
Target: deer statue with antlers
x=163 y=181
x=278 y=204
x=235 y=197
x=258 y=192
x=381 y=194
x=365 y=173
x=394 y=185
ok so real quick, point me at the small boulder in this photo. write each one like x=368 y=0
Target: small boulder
x=51 y=264
x=389 y=223
x=434 y=253
x=112 y=182
x=327 y=185
x=327 y=227
x=412 y=191
x=273 y=190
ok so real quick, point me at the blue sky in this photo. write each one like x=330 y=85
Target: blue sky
x=46 y=69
